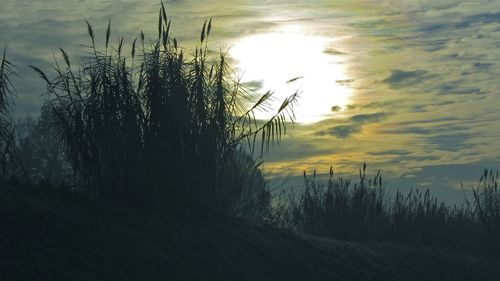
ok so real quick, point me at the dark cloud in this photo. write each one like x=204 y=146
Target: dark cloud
x=482 y=66
x=434 y=27
x=419 y=108
x=433 y=45
x=429 y=121
x=336 y=108
x=333 y=51
x=254 y=85
x=456 y=89
x=398 y=156
x=344 y=82
x=484 y=18
x=369 y=118
x=390 y=152
x=370 y=23
x=342 y=131
x=412 y=158
x=428 y=129
x=355 y=125
x=293 y=150
x=453 y=142
x=462 y=23
x=478 y=67
x=376 y=105
x=402 y=78
x=442 y=137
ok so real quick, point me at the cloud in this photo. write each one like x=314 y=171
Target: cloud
x=401 y=78
x=390 y=152
x=376 y=105
x=336 y=108
x=454 y=142
x=343 y=131
x=429 y=121
x=432 y=127
x=445 y=180
x=369 y=118
x=32 y=40
x=482 y=18
x=254 y=85
x=395 y=156
x=442 y=134
x=457 y=89
x=446 y=51
x=355 y=126
x=333 y=51
x=292 y=150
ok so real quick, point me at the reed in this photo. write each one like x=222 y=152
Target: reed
x=155 y=125
x=6 y=93
x=166 y=130
x=367 y=211
x=486 y=202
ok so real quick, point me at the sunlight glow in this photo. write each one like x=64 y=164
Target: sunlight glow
x=273 y=59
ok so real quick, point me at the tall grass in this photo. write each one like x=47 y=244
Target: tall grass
x=6 y=92
x=163 y=129
x=367 y=211
x=486 y=204
x=341 y=209
x=157 y=126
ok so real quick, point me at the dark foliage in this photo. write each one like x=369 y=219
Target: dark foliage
x=158 y=128
x=56 y=235
x=163 y=130
x=6 y=129
x=367 y=211
x=36 y=153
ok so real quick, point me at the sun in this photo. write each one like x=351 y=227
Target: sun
x=288 y=60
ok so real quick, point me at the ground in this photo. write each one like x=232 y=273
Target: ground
x=52 y=235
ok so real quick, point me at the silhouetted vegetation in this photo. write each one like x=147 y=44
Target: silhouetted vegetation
x=55 y=235
x=7 y=128
x=36 y=153
x=164 y=130
x=487 y=209
x=367 y=211
x=160 y=128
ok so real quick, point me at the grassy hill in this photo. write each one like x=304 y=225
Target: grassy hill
x=51 y=235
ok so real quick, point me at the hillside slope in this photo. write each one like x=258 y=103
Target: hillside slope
x=55 y=236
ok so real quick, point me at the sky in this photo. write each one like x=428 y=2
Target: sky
x=411 y=87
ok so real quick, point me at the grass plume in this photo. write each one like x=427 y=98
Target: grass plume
x=160 y=126
x=366 y=210
x=6 y=93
